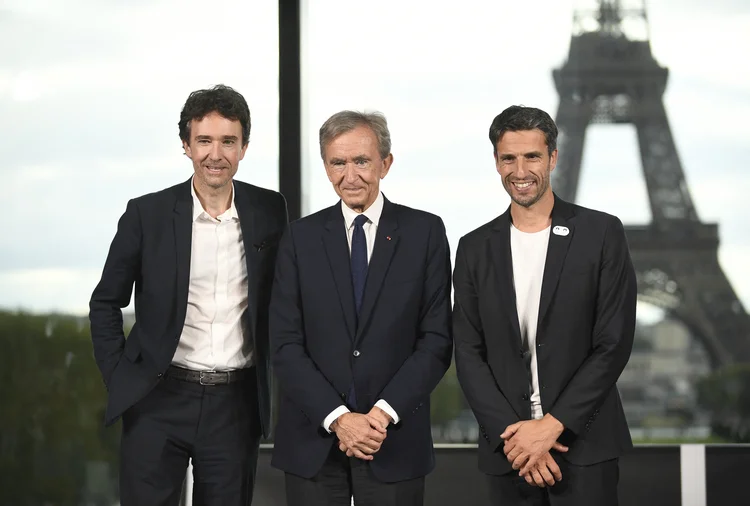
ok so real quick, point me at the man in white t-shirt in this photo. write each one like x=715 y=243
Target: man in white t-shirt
x=544 y=319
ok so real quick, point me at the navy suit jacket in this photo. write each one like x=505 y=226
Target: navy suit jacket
x=403 y=339
x=151 y=249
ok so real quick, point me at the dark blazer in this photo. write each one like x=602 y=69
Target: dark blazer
x=584 y=334
x=152 y=249
x=399 y=351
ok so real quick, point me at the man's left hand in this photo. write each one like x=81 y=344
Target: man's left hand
x=377 y=417
x=380 y=417
x=527 y=441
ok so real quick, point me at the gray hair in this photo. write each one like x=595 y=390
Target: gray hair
x=346 y=121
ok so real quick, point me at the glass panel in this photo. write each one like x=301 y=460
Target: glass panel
x=90 y=97
x=440 y=76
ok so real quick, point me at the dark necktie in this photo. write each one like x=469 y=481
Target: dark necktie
x=359 y=275
x=359 y=260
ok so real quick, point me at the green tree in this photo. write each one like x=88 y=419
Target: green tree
x=446 y=401
x=726 y=395
x=51 y=420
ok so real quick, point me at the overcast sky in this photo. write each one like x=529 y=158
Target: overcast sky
x=91 y=90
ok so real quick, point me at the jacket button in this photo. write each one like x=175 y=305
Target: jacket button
x=525 y=397
x=356 y=353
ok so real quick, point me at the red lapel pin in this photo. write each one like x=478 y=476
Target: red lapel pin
x=388 y=237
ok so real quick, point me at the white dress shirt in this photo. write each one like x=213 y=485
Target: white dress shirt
x=529 y=253
x=370 y=228
x=215 y=337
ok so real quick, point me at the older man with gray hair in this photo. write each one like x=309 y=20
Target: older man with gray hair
x=360 y=330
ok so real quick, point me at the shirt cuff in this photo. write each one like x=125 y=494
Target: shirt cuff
x=388 y=409
x=333 y=416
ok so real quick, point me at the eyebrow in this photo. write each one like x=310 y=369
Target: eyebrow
x=356 y=158
x=510 y=156
x=225 y=137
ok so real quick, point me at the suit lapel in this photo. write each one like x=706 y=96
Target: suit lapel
x=502 y=258
x=183 y=234
x=337 y=251
x=559 y=241
x=386 y=241
x=250 y=225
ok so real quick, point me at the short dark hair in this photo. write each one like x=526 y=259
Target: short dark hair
x=518 y=117
x=222 y=99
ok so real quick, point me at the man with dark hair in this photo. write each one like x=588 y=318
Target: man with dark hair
x=544 y=320
x=191 y=381
x=360 y=332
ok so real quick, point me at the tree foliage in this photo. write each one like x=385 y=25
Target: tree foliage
x=726 y=395
x=52 y=403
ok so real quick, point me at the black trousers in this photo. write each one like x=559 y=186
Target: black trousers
x=343 y=477
x=594 y=485
x=216 y=426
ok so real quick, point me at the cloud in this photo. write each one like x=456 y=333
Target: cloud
x=41 y=290
x=35 y=30
x=704 y=43
x=94 y=95
x=94 y=90
x=733 y=261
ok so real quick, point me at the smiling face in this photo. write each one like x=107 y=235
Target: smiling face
x=355 y=168
x=216 y=149
x=523 y=161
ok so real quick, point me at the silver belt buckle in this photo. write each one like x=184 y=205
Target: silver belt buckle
x=201 y=378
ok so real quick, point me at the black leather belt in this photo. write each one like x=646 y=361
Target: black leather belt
x=207 y=377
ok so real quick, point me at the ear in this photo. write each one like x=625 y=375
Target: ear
x=387 y=162
x=553 y=160
x=242 y=153
x=188 y=152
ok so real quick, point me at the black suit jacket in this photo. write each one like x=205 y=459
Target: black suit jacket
x=584 y=334
x=403 y=338
x=152 y=249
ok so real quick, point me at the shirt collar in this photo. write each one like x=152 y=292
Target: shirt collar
x=198 y=207
x=373 y=212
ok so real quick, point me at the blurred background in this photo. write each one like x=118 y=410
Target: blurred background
x=90 y=95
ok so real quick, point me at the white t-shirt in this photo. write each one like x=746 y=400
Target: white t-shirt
x=529 y=253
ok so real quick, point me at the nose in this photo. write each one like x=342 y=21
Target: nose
x=520 y=168
x=350 y=173
x=215 y=153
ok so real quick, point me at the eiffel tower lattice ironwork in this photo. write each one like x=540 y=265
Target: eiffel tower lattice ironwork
x=612 y=77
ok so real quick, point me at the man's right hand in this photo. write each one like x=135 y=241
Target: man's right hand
x=358 y=434
x=545 y=472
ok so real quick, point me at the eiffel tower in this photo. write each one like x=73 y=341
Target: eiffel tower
x=612 y=78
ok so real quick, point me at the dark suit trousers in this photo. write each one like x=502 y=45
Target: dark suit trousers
x=343 y=477
x=216 y=426
x=594 y=485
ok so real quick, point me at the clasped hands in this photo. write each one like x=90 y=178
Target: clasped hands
x=527 y=447
x=361 y=435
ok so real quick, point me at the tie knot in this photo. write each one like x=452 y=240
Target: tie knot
x=360 y=220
